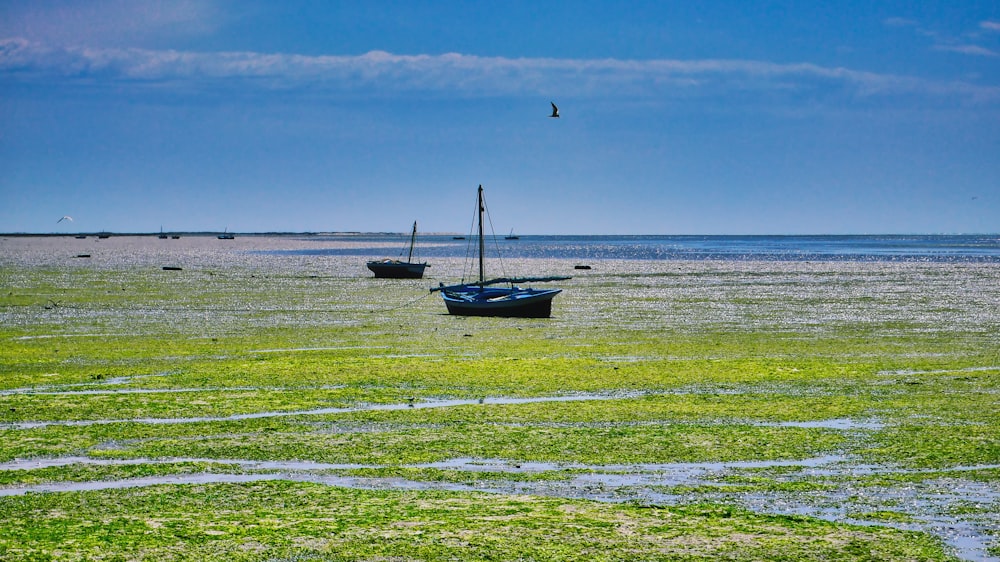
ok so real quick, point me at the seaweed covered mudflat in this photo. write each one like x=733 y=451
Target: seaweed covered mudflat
x=231 y=400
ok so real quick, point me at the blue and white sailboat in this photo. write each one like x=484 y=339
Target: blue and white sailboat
x=489 y=298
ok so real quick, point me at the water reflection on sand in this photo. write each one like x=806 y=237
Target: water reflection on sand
x=931 y=504
x=941 y=294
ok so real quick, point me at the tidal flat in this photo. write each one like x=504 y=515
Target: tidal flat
x=253 y=403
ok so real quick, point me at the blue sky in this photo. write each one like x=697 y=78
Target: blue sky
x=685 y=117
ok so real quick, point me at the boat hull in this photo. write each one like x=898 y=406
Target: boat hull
x=397 y=269
x=500 y=302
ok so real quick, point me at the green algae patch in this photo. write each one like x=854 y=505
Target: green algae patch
x=268 y=520
x=934 y=445
x=406 y=445
x=700 y=386
x=79 y=472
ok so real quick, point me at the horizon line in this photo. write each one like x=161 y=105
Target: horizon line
x=388 y=233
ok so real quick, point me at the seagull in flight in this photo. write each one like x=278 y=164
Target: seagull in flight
x=65 y=218
x=555 y=110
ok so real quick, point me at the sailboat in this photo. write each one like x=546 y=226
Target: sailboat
x=398 y=269
x=511 y=236
x=162 y=235
x=487 y=298
x=226 y=235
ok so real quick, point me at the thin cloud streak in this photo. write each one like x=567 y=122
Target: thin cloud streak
x=900 y=22
x=967 y=50
x=964 y=44
x=462 y=74
x=108 y=22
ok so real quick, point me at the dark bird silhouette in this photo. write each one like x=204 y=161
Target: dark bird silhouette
x=555 y=110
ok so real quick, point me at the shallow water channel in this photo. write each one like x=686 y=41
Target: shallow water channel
x=914 y=313
x=930 y=504
x=933 y=504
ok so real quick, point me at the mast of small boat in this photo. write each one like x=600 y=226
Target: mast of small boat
x=413 y=238
x=482 y=243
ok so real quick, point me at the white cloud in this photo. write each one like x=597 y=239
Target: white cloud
x=106 y=22
x=967 y=50
x=953 y=44
x=458 y=74
x=900 y=22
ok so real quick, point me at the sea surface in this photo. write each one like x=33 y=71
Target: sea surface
x=858 y=248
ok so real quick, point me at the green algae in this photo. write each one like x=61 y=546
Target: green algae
x=280 y=519
x=692 y=363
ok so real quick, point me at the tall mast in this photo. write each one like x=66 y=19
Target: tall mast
x=482 y=244
x=413 y=238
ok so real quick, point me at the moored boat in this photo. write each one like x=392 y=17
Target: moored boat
x=512 y=302
x=398 y=269
x=489 y=298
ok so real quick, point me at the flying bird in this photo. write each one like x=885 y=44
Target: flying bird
x=555 y=110
x=65 y=218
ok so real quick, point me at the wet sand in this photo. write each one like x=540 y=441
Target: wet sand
x=965 y=297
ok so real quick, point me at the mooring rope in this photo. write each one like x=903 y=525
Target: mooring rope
x=404 y=305
x=54 y=305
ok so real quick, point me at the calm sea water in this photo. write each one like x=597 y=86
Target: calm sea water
x=908 y=248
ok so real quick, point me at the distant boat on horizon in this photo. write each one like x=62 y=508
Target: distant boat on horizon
x=162 y=236
x=398 y=269
x=482 y=298
x=512 y=236
x=226 y=235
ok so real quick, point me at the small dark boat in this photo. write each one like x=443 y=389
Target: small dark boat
x=398 y=269
x=509 y=302
x=162 y=236
x=81 y=236
x=226 y=235
x=483 y=298
x=512 y=236
x=175 y=236
x=104 y=235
